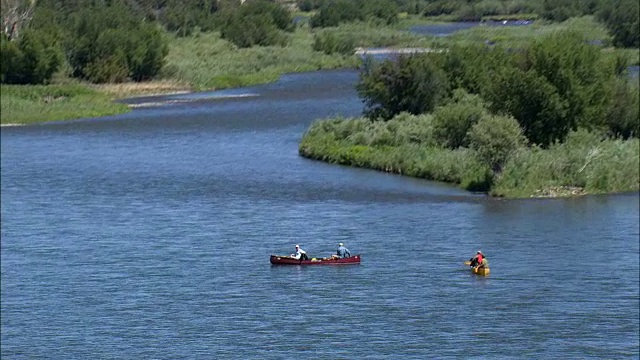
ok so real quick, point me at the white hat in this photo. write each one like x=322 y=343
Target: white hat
x=297 y=245
x=340 y=244
x=479 y=252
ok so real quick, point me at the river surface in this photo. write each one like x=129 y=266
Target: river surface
x=148 y=235
x=448 y=28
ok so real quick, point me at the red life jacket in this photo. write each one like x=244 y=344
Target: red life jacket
x=479 y=259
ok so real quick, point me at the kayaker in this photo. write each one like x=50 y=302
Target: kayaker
x=300 y=254
x=477 y=260
x=342 y=251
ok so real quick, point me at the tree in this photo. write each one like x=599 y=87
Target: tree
x=452 y=122
x=16 y=15
x=622 y=20
x=623 y=112
x=576 y=70
x=533 y=101
x=109 y=44
x=256 y=22
x=33 y=59
x=413 y=84
x=495 y=139
x=473 y=67
x=335 y=12
x=560 y=83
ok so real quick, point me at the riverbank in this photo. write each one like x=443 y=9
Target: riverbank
x=205 y=61
x=586 y=163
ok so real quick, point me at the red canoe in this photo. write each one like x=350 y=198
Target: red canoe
x=288 y=260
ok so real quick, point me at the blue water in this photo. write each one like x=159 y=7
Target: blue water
x=148 y=235
x=446 y=29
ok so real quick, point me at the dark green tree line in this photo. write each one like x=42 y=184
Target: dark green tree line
x=555 y=85
x=413 y=84
x=109 y=44
x=622 y=18
x=257 y=22
x=336 y=12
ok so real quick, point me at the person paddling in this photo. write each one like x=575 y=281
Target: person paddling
x=342 y=252
x=300 y=254
x=478 y=261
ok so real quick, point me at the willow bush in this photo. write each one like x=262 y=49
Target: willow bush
x=586 y=160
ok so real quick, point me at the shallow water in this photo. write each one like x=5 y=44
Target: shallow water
x=446 y=29
x=148 y=235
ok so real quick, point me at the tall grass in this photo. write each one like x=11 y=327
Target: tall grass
x=517 y=36
x=38 y=103
x=403 y=145
x=586 y=161
x=364 y=34
x=208 y=62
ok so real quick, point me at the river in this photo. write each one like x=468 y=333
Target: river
x=148 y=235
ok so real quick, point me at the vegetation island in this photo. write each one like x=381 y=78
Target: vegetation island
x=547 y=109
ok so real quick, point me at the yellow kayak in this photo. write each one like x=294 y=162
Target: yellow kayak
x=483 y=271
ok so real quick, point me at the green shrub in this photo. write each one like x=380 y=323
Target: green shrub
x=586 y=160
x=441 y=7
x=495 y=139
x=330 y=42
x=577 y=72
x=622 y=20
x=534 y=102
x=414 y=129
x=32 y=59
x=622 y=115
x=453 y=120
x=111 y=44
x=249 y=30
x=414 y=84
x=474 y=67
x=335 y=12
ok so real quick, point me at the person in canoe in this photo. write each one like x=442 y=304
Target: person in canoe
x=342 y=252
x=300 y=254
x=478 y=261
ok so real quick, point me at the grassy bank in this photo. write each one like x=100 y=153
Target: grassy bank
x=517 y=36
x=39 y=103
x=586 y=163
x=205 y=61
x=208 y=62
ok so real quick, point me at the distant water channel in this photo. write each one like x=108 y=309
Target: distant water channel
x=148 y=235
x=446 y=29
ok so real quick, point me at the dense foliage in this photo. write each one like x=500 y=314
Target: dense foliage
x=497 y=160
x=336 y=12
x=622 y=17
x=99 y=43
x=413 y=84
x=110 y=45
x=122 y=40
x=257 y=22
x=555 y=116
x=32 y=59
x=557 y=84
